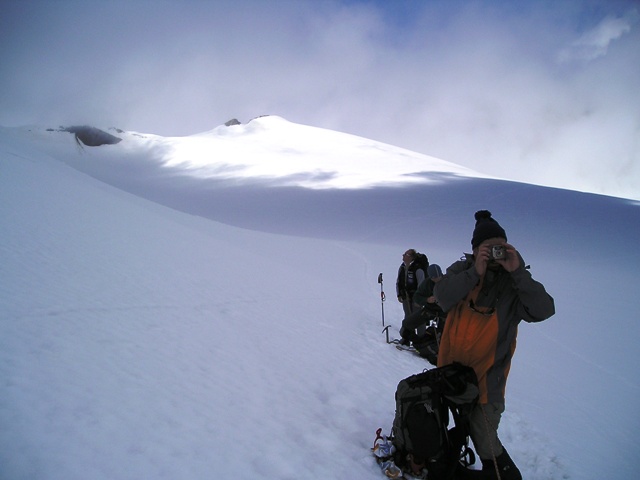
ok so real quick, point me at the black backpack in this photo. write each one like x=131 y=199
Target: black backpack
x=428 y=345
x=422 y=261
x=420 y=426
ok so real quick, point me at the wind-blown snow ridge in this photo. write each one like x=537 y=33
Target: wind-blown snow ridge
x=274 y=150
x=271 y=147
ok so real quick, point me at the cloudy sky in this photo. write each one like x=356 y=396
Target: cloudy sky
x=544 y=91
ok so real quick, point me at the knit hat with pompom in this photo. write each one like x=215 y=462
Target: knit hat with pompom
x=486 y=227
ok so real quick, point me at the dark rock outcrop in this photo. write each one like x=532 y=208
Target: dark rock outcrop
x=91 y=136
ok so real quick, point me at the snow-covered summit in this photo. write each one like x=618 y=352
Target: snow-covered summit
x=272 y=149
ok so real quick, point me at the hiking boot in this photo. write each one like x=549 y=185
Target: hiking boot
x=417 y=467
x=506 y=467
x=406 y=336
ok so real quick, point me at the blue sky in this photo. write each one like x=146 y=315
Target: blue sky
x=541 y=91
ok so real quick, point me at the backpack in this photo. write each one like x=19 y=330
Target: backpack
x=428 y=345
x=420 y=431
x=422 y=261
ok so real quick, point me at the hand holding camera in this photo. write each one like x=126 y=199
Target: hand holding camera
x=498 y=252
x=503 y=254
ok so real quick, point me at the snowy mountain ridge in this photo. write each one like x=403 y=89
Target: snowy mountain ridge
x=269 y=148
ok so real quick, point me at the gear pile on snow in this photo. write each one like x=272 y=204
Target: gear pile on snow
x=421 y=444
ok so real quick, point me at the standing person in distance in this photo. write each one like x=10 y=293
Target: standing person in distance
x=414 y=326
x=424 y=296
x=410 y=274
x=486 y=295
x=423 y=327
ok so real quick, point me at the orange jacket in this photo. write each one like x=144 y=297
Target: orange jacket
x=482 y=323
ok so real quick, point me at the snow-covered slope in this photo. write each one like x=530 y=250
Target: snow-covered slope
x=139 y=341
x=267 y=149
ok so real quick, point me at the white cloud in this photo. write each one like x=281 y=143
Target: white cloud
x=477 y=83
x=595 y=42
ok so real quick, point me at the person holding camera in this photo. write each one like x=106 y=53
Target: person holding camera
x=487 y=294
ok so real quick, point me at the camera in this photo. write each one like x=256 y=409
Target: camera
x=498 y=252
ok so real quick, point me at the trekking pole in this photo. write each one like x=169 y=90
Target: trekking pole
x=382 y=297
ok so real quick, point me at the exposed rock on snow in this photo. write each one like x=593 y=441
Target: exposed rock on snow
x=91 y=136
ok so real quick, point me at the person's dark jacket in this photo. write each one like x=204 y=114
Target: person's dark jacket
x=407 y=284
x=423 y=292
x=486 y=341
